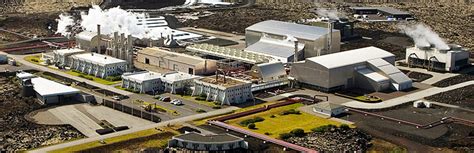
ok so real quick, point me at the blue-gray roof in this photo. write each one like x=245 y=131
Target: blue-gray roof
x=299 y=31
x=278 y=48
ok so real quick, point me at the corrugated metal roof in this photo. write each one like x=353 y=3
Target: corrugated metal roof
x=299 y=31
x=182 y=58
x=69 y=50
x=350 y=57
x=86 y=35
x=271 y=70
x=389 y=10
x=391 y=71
x=46 y=87
x=98 y=58
x=327 y=106
x=219 y=138
x=274 y=47
x=372 y=75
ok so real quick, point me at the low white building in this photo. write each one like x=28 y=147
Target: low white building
x=225 y=90
x=62 y=57
x=152 y=82
x=329 y=109
x=449 y=59
x=47 y=91
x=98 y=65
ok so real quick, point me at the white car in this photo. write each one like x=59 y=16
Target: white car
x=176 y=102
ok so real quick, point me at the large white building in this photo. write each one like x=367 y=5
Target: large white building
x=152 y=82
x=98 y=65
x=61 y=57
x=47 y=91
x=368 y=68
x=315 y=40
x=225 y=90
x=451 y=59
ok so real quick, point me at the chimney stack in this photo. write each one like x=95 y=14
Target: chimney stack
x=295 y=57
x=98 y=39
x=330 y=26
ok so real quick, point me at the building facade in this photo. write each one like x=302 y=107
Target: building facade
x=452 y=59
x=222 y=89
x=316 y=40
x=176 y=61
x=152 y=82
x=207 y=143
x=98 y=65
x=368 y=68
x=328 y=109
x=62 y=57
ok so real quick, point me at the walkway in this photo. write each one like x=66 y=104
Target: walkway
x=406 y=98
x=156 y=125
x=436 y=76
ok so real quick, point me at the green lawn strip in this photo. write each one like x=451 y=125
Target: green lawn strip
x=36 y=59
x=93 y=78
x=158 y=107
x=274 y=126
x=202 y=102
x=111 y=141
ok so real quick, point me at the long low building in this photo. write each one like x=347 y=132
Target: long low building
x=449 y=59
x=98 y=65
x=47 y=91
x=223 y=89
x=216 y=143
x=176 y=61
x=152 y=82
x=61 y=57
x=368 y=68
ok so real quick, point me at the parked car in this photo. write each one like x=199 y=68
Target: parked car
x=116 y=98
x=165 y=99
x=176 y=102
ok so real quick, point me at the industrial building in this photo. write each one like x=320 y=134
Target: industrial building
x=120 y=46
x=316 y=40
x=328 y=109
x=98 y=65
x=175 y=61
x=268 y=75
x=62 y=57
x=152 y=82
x=452 y=59
x=380 y=14
x=367 y=68
x=89 y=41
x=281 y=50
x=207 y=143
x=223 y=89
x=230 y=53
x=47 y=91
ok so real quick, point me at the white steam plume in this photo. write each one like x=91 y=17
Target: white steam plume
x=65 y=23
x=111 y=20
x=423 y=36
x=331 y=14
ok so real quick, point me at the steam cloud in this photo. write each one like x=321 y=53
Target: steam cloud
x=423 y=36
x=111 y=20
x=331 y=14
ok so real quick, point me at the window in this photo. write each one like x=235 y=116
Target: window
x=147 y=61
x=191 y=71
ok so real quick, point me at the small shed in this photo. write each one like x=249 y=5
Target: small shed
x=329 y=109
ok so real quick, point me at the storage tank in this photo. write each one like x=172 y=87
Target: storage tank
x=27 y=88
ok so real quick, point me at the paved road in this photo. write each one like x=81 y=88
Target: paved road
x=19 y=58
x=156 y=125
x=406 y=98
x=436 y=76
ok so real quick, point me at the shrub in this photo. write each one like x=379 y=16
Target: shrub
x=266 y=133
x=324 y=128
x=113 y=78
x=34 y=60
x=272 y=116
x=216 y=107
x=297 y=132
x=251 y=121
x=291 y=111
x=344 y=126
x=251 y=126
x=200 y=111
x=200 y=98
x=285 y=136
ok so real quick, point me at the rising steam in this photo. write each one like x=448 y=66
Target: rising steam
x=331 y=14
x=423 y=36
x=111 y=20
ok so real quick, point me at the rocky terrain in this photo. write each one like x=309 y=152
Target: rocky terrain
x=462 y=97
x=455 y=80
x=16 y=132
x=452 y=21
x=334 y=140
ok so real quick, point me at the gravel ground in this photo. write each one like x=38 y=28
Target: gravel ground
x=417 y=76
x=455 y=80
x=17 y=133
x=463 y=97
x=335 y=140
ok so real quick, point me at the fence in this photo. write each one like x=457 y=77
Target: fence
x=132 y=111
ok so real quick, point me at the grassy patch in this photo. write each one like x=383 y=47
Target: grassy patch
x=114 y=140
x=92 y=78
x=276 y=124
x=36 y=59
